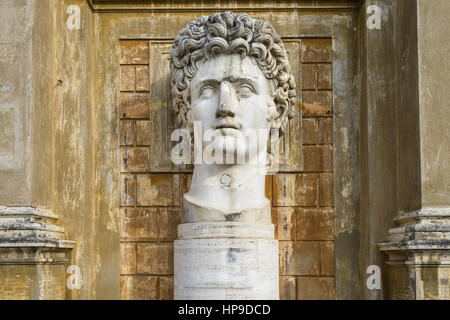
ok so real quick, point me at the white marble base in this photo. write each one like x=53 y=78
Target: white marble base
x=226 y=269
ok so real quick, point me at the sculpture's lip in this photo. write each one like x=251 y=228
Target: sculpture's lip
x=227 y=131
x=227 y=127
x=227 y=124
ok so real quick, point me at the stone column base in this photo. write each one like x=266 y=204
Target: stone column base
x=32 y=254
x=419 y=255
x=226 y=261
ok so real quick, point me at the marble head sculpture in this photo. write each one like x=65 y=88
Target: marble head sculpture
x=230 y=73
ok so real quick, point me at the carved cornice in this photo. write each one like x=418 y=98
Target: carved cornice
x=422 y=232
x=214 y=5
x=27 y=227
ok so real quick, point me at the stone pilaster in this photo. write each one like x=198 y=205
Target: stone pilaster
x=33 y=254
x=418 y=253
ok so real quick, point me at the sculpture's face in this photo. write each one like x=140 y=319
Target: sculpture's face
x=230 y=95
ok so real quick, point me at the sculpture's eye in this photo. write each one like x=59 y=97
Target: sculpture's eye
x=245 y=91
x=207 y=92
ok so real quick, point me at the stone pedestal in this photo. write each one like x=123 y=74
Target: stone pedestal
x=32 y=254
x=234 y=257
x=419 y=255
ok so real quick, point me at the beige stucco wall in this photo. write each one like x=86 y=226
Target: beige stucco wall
x=59 y=141
x=16 y=47
x=72 y=134
x=47 y=149
x=85 y=192
x=26 y=76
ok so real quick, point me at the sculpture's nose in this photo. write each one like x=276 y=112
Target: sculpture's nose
x=227 y=100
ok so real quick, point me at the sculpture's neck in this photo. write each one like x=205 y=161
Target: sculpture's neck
x=229 y=188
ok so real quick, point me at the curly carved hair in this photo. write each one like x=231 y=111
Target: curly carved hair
x=229 y=33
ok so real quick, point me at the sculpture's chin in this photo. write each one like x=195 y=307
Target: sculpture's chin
x=232 y=147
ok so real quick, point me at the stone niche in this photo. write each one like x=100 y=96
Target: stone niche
x=303 y=208
x=152 y=187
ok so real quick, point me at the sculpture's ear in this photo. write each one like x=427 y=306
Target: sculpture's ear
x=189 y=116
x=187 y=98
x=271 y=112
x=280 y=118
x=276 y=122
x=189 y=121
x=275 y=114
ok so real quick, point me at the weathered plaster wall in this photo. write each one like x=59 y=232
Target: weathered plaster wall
x=85 y=196
x=434 y=70
x=76 y=127
x=16 y=91
x=59 y=141
x=25 y=103
x=26 y=152
x=22 y=282
x=49 y=134
x=43 y=86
